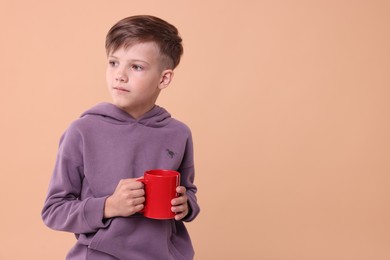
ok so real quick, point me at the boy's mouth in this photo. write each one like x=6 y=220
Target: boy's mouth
x=121 y=89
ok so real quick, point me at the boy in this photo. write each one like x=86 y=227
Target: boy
x=93 y=191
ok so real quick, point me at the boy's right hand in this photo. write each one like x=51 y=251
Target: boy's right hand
x=127 y=199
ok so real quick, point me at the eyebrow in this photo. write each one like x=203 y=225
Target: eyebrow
x=132 y=60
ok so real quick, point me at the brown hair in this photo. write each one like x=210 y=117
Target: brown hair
x=146 y=28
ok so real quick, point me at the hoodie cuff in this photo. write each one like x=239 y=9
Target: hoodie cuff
x=93 y=213
x=193 y=208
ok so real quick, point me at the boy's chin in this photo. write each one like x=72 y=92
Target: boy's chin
x=120 y=101
x=122 y=106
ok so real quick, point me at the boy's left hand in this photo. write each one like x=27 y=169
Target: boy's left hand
x=180 y=204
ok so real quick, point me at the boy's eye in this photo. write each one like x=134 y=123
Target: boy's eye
x=136 y=67
x=112 y=63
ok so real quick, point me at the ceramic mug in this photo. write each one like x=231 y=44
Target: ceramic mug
x=160 y=188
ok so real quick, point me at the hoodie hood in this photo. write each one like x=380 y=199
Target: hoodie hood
x=156 y=117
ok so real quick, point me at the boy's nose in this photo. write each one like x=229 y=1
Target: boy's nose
x=121 y=76
x=120 y=79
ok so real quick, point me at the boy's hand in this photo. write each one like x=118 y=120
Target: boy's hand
x=127 y=199
x=180 y=204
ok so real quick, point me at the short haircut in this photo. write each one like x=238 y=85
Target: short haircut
x=145 y=28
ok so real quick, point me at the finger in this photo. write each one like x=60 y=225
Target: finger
x=139 y=200
x=179 y=200
x=178 y=209
x=139 y=207
x=180 y=216
x=137 y=193
x=131 y=183
x=181 y=190
x=134 y=185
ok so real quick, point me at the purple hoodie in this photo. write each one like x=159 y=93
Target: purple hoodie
x=99 y=149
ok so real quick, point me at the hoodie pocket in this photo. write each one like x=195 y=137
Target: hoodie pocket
x=133 y=238
x=176 y=245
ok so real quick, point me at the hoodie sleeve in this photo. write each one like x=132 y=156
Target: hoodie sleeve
x=187 y=175
x=63 y=209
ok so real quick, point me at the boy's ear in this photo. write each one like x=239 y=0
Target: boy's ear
x=166 y=78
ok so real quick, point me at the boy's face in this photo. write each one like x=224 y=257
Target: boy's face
x=135 y=77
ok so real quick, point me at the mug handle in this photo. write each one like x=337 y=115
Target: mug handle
x=142 y=179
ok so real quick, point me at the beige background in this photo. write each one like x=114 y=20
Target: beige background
x=288 y=102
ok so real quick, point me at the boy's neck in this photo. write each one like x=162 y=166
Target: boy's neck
x=137 y=113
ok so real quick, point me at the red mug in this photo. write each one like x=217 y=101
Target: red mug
x=160 y=188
